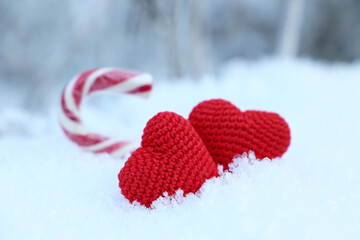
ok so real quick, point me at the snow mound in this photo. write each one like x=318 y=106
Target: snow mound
x=53 y=190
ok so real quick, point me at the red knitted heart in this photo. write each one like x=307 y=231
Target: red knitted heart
x=172 y=156
x=226 y=131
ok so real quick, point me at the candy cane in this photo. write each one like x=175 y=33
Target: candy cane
x=83 y=85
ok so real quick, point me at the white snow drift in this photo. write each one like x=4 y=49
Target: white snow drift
x=50 y=189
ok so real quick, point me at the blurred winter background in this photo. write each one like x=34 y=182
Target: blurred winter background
x=299 y=58
x=44 y=43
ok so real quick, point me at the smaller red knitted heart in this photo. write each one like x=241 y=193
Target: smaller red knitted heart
x=172 y=156
x=226 y=131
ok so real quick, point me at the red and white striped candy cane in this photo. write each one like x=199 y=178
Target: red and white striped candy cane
x=83 y=85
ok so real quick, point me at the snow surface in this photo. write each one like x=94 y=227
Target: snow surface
x=50 y=189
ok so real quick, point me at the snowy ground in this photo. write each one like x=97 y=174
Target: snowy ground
x=50 y=189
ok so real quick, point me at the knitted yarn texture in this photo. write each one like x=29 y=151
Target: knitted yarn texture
x=172 y=156
x=226 y=131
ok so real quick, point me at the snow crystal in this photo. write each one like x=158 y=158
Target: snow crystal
x=50 y=189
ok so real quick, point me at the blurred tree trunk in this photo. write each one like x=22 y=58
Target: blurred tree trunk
x=291 y=30
x=197 y=39
x=179 y=25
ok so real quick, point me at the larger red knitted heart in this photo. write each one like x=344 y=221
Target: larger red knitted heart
x=172 y=156
x=226 y=131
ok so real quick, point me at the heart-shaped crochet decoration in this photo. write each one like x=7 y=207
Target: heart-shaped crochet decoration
x=227 y=132
x=172 y=156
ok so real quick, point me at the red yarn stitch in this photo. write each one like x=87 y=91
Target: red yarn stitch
x=226 y=131
x=172 y=156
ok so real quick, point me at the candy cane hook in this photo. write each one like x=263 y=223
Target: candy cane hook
x=83 y=85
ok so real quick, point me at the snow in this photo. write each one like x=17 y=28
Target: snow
x=53 y=190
